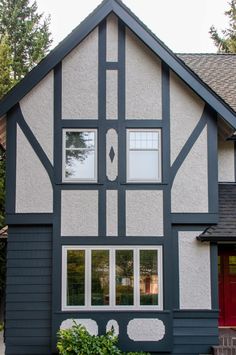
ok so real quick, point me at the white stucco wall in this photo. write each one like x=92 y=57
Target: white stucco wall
x=146 y=329
x=226 y=168
x=37 y=109
x=79 y=213
x=144 y=213
x=112 y=213
x=112 y=95
x=80 y=80
x=186 y=109
x=34 y=193
x=189 y=193
x=143 y=81
x=194 y=272
x=112 y=38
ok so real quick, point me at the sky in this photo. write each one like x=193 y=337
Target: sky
x=183 y=25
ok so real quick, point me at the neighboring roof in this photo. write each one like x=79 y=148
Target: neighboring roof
x=130 y=20
x=225 y=230
x=216 y=70
x=3 y=132
x=4 y=232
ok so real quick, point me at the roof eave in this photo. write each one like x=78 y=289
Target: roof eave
x=214 y=238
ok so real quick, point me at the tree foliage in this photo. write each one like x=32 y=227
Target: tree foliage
x=226 y=43
x=28 y=34
x=6 y=80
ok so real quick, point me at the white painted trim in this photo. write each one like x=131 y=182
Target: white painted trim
x=71 y=180
x=112 y=307
x=158 y=150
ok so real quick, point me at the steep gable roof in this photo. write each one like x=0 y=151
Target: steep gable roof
x=130 y=20
x=218 y=71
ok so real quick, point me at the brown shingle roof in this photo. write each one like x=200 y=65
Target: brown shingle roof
x=218 y=71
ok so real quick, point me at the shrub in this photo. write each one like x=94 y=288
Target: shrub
x=78 y=341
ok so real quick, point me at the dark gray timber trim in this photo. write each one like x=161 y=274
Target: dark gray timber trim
x=188 y=145
x=234 y=161
x=212 y=147
x=175 y=271
x=11 y=162
x=185 y=313
x=214 y=275
x=34 y=143
x=112 y=65
x=194 y=218
x=29 y=218
x=57 y=123
x=112 y=241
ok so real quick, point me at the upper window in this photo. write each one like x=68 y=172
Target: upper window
x=144 y=155
x=80 y=155
x=111 y=278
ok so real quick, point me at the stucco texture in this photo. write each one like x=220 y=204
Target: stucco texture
x=112 y=38
x=111 y=165
x=144 y=213
x=37 y=109
x=143 y=81
x=112 y=213
x=186 y=109
x=189 y=193
x=80 y=80
x=112 y=95
x=146 y=329
x=226 y=168
x=194 y=272
x=79 y=213
x=34 y=193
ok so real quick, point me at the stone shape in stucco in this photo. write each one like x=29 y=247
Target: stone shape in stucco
x=37 y=109
x=186 y=109
x=79 y=213
x=80 y=80
x=143 y=81
x=112 y=95
x=144 y=213
x=146 y=329
x=226 y=168
x=111 y=164
x=112 y=324
x=34 y=193
x=194 y=271
x=89 y=324
x=189 y=193
x=112 y=213
x=112 y=38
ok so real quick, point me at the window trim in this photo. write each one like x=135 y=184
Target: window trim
x=112 y=306
x=159 y=152
x=77 y=180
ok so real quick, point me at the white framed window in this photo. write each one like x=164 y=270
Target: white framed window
x=79 y=155
x=112 y=278
x=143 y=155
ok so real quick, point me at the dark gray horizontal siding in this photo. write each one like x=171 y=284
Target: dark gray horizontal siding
x=28 y=294
x=194 y=336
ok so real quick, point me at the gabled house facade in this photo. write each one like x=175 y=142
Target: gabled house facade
x=112 y=174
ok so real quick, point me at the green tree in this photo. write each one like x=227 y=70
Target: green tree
x=6 y=80
x=28 y=34
x=226 y=43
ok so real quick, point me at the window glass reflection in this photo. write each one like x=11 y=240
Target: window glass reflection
x=148 y=278
x=75 y=277
x=124 y=277
x=100 y=277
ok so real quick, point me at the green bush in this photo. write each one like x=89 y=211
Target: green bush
x=78 y=341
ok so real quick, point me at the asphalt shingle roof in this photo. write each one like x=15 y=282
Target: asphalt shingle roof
x=226 y=228
x=218 y=71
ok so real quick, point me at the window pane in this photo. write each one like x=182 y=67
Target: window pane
x=85 y=140
x=143 y=165
x=124 y=277
x=100 y=277
x=75 y=277
x=143 y=140
x=148 y=278
x=80 y=164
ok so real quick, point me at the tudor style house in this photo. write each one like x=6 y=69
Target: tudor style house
x=121 y=192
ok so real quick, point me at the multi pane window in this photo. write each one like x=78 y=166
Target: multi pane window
x=112 y=278
x=144 y=155
x=80 y=155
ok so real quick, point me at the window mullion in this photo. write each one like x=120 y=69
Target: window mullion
x=136 y=277
x=112 y=277
x=88 y=278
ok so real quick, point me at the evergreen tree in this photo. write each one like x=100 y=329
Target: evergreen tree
x=6 y=80
x=28 y=34
x=227 y=42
